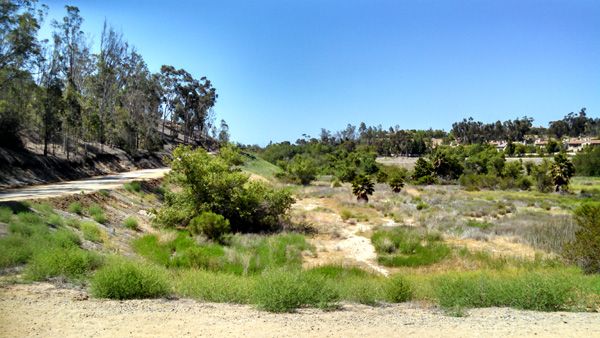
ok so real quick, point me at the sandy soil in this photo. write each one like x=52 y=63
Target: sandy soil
x=85 y=185
x=43 y=310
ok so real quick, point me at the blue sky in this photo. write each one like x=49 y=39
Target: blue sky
x=283 y=68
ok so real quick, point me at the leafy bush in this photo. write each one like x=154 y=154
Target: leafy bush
x=76 y=208
x=585 y=249
x=524 y=183
x=478 y=224
x=302 y=169
x=398 y=289
x=131 y=223
x=561 y=171
x=71 y=262
x=124 y=279
x=91 y=232
x=408 y=247
x=209 y=183
x=424 y=172
x=287 y=290
x=211 y=225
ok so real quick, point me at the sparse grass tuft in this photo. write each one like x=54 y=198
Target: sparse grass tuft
x=91 y=232
x=133 y=187
x=76 y=208
x=408 y=247
x=130 y=223
x=97 y=213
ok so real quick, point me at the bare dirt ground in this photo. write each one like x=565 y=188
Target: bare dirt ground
x=84 y=185
x=42 y=310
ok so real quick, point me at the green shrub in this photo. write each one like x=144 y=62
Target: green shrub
x=587 y=162
x=585 y=249
x=14 y=250
x=362 y=290
x=76 y=208
x=43 y=208
x=287 y=290
x=91 y=232
x=133 y=187
x=211 y=225
x=124 y=279
x=130 y=223
x=210 y=183
x=5 y=214
x=215 y=286
x=529 y=291
x=524 y=183
x=422 y=205
x=478 y=224
x=335 y=183
x=302 y=169
x=73 y=222
x=72 y=263
x=398 y=289
x=346 y=214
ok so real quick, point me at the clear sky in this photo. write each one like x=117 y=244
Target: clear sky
x=283 y=68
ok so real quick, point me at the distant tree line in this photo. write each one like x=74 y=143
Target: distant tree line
x=62 y=92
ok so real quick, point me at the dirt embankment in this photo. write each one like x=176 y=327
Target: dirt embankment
x=25 y=167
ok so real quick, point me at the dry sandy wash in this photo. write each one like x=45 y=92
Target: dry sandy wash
x=42 y=310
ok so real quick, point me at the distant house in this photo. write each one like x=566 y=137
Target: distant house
x=574 y=145
x=540 y=142
x=435 y=142
x=499 y=145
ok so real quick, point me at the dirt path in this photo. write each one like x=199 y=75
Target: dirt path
x=84 y=185
x=42 y=310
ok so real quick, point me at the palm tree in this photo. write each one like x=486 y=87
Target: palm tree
x=362 y=187
x=396 y=183
x=562 y=170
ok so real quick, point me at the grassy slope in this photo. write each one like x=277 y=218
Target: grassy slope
x=257 y=166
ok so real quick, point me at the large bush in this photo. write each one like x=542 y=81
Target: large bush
x=211 y=183
x=302 y=169
x=585 y=250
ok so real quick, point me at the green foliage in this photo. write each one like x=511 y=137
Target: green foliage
x=362 y=187
x=478 y=224
x=125 y=279
x=211 y=225
x=130 y=223
x=561 y=171
x=396 y=182
x=424 y=172
x=70 y=262
x=541 y=174
x=286 y=290
x=133 y=187
x=302 y=169
x=587 y=161
x=6 y=214
x=216 y=286
x=97 y=213
x=398 y=289
x=91 y=232
x=209 y=183
x=529 y=291
x=585 y=250
x=76 y=208
x=513 y=170
x=408 y=247
x=444 y=163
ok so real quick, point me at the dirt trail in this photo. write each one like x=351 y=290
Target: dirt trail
x=42 y=310
x=348 y=245
x=84 y=185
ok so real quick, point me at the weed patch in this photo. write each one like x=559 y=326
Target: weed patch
x=125 y=279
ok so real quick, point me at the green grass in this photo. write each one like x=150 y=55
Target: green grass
x=91 y=232
x=215 y=286
x=541 y=291
x=71 y=262
x=408 y=247
x=6 y=214
x=286 y=290
x=120 y=278
x=245 y=254
x=76 y=208
x=97 y=213
x=478 y=224
x=260 y=167
x=131 y=223
x=55 y=220
x=133 y=187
